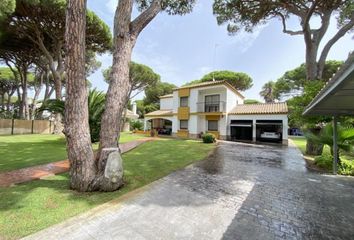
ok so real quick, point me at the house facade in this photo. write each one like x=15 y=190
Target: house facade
x=217 y=107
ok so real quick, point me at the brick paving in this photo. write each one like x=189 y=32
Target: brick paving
x=242 y=191
x=32 y=173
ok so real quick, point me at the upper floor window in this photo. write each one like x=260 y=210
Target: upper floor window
x=183 y=102
x=212 y=103
x=212 y=99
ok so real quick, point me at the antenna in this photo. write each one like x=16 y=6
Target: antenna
x=215 y=46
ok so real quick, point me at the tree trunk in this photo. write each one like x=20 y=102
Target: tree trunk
x=25 y=93
x=119 y=78
x=311 y=61
x=58 y=88
x=8 y=102
x=19 y=100
x=312 y=148
x=37 y=91
x=3 y=101
x=24 y=113
x=83 y=167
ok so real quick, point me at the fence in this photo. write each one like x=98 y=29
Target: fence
x=16 y=126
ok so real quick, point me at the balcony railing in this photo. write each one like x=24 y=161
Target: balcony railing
x=211 y=106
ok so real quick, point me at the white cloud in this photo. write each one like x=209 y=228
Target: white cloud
x=111 y=5
x=244 y=40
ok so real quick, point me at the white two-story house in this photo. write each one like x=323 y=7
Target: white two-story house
x=217 y=107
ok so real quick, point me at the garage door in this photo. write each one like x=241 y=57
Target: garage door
x=241 y=130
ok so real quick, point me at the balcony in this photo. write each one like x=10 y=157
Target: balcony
x=211 y=107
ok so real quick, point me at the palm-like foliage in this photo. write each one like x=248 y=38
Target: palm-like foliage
x=268 y=92
x=96 y=103
x=345 y=137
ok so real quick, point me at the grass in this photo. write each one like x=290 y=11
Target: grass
x=324 y=164
x=300 y=142
x=128 y=137
x=30 y=207
x=20 y=151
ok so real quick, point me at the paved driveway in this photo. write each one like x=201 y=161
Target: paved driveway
x=241 y=192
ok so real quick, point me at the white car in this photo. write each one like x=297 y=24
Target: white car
x=270 y=135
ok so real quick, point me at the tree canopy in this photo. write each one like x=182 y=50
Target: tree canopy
x=241 y=14
x=152 y=94
x=6 y=8
x=45 y=20
x=241 y=81
x=292 y=82
x=140 y=76
x=251 y=101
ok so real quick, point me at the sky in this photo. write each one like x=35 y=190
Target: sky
x=184 y=48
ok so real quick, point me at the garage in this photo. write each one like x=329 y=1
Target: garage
x=269 y=131
x=262 y=123
x=241 y=130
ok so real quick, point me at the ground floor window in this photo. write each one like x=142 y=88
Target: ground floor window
x=212 y=125
x=183 y=124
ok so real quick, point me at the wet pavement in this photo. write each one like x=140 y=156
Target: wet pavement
x=241 y=191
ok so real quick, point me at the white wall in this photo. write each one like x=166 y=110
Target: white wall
x=166 y=103
x=193 y=124
x=232 y=100
x=175 y=101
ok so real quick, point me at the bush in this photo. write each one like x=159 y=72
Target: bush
x=208 y=138
x=324 y=161
x=136 y=125
x=346 y=168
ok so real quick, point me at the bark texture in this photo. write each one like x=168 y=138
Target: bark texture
x=80 y=153
x=125 y=34
x=86 y=173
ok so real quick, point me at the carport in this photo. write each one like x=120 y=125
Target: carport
x=336 y=99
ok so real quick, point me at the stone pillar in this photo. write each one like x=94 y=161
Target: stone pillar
x=134 y=107
x=254 y=131
x=285 y=131
x=145 y=123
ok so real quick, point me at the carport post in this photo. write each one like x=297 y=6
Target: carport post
x=335 y=145
x=145 y=123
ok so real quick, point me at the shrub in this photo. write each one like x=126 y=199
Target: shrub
x=136 y=125
x=346 y=168
x=324 y=161
x=208 y=138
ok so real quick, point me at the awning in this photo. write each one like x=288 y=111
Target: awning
x=337 y=97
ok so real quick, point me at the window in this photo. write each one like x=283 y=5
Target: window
x=212 y=125
x=212 y=99
x=183 y=124
x=212 y=103
x=183 y=102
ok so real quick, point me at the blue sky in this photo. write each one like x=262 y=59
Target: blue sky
x=181 y=48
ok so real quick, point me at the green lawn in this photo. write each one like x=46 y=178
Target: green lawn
x=19 y=151
x=300 y=142
x=30 y=207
